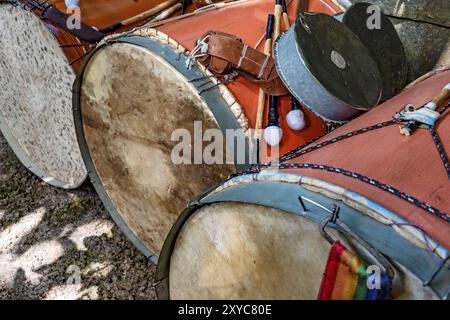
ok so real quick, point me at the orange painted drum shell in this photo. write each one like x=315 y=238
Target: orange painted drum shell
x=247 y=20
x=410 y=164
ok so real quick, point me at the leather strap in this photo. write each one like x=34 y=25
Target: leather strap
x=226 y=53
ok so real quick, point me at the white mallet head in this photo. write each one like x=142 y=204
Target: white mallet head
x=296 y=120
x=273 y=135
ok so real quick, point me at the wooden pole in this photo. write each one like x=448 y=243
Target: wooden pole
x=287 y=23
x=167 y=13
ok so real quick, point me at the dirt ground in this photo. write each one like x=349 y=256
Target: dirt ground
x=57 y=244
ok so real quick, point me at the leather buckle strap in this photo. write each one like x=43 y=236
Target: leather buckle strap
x=227 y=52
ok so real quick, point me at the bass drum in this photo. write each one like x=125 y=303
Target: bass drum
x=136 y=91
x=257 y=235
x=38 y=65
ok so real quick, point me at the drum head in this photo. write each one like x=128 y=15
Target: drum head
x=383 y=43
x=35 y=99
x=243 y=251
x=132 y=101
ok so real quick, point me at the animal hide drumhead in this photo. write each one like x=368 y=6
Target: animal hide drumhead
x=232 y=250
x=36 y=99
x=135 y=106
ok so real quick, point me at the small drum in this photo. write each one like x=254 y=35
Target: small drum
x=260 y=235
x=38 y=62
x=133 y=94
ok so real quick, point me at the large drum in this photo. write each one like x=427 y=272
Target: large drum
x=257 y=236
x=135 y=98
x=38 y=62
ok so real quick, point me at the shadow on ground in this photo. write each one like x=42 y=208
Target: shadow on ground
x=57 y=244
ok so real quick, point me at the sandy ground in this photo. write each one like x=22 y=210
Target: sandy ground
x=57 y=244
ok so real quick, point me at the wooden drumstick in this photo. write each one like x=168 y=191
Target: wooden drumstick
x=278 y=11
x=144 y=15
x=262 y=95
x=409 y=128
x=287 y=23
x=167 y=13
x=273 y=132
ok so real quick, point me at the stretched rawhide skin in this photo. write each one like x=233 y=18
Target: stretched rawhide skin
x=243 y=251
x=36 y=98
x=131 y=102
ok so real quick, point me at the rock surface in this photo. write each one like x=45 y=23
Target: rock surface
x=424 y=31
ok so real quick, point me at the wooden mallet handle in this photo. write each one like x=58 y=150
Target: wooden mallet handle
x=287 y=23
x=167 y=12
x=262 y=95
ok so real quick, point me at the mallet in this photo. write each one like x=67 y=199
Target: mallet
x=273 y=132
x=409 y=128
x=262 y=96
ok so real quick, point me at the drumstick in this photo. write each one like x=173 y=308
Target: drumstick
x=144 y=15
x=167 y=13
x=287 y=23
x=262 y=95
x=409 y=128
x=273 y=132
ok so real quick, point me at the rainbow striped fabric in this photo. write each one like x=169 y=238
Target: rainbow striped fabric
x=345 y=278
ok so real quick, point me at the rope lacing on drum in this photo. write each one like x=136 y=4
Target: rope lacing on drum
x=304 y=149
